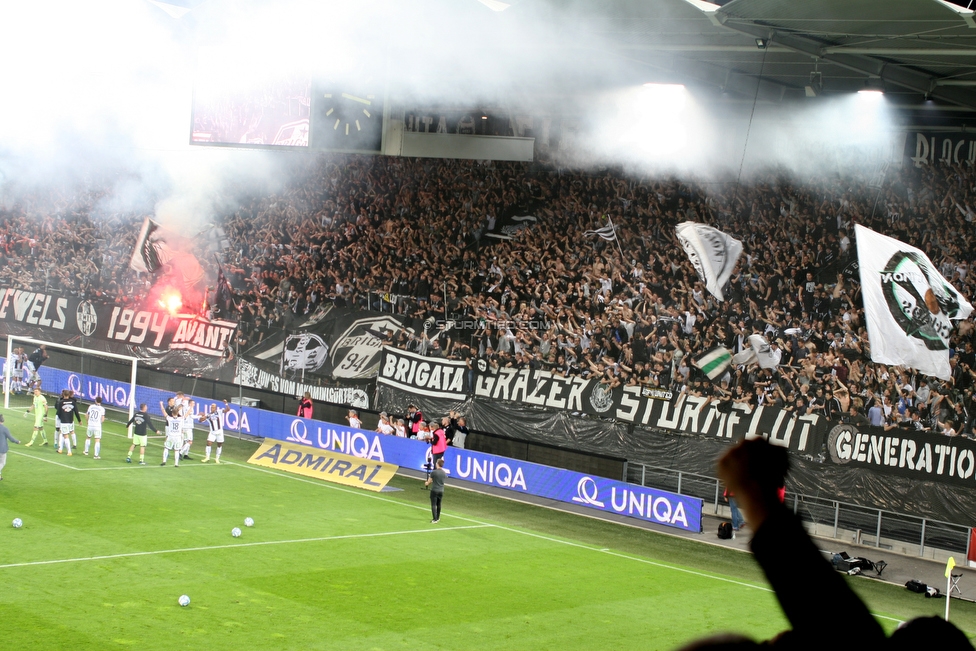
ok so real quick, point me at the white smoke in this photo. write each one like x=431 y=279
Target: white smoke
x=102 y=89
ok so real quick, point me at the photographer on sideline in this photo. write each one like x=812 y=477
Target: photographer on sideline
x=436 y=484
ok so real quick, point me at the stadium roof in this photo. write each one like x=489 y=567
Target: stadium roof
x=769 y=50
x=911 y=49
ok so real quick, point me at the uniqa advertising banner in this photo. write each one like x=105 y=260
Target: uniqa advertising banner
x=567 y=486
x=598 y=493
x=652 y=407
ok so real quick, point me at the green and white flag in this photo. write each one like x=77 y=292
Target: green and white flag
x=715 y=362
x=909 y=306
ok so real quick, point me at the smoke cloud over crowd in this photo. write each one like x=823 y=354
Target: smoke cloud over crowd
x=103 y=91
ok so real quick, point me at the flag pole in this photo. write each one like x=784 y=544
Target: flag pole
x=951 y=563
x=616 y=239
x=948 y=597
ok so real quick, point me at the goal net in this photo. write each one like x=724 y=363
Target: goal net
x=88 y=373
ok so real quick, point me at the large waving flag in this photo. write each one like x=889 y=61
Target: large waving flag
x=909 y=306
x=758 y=352
x=715 y=362
x=607 y=232
x=713 y=254
x=158 y=248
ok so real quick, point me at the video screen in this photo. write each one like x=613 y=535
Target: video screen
x=273 y=113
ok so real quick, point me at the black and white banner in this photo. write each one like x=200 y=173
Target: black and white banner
x=338 y=344
x=440 y=378
x=253 y=375
x=949 y=148
x=63 y=318
x=918 y=455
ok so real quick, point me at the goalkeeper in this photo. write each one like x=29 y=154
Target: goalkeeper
x=40 y=417
x=141 y=422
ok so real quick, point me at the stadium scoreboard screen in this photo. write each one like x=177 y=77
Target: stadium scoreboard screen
x=270 y=114
x=246 y=104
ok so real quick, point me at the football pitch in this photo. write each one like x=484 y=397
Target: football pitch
x=107 y=548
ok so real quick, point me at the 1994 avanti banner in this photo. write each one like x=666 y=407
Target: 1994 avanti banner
x=61 y=317
x=440 y=378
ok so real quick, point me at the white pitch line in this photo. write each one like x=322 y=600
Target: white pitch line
x=126 y=467
x=236 y=545
x=535 y=535
x=56 y=463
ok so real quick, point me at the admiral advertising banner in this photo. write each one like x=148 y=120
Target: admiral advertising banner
x=327 y=465
x=918 y=455
x=440 y=378
x=61 y=318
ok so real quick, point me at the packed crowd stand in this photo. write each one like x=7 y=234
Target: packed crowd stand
x=410 y=236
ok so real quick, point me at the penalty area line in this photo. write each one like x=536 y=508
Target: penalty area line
x=237 y=545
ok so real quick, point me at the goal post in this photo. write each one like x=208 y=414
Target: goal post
x=9 y=365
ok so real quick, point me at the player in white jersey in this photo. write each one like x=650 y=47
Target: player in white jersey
x=174 y=433
x=188 y=418
x=17 y=376
x=95 y=416
x=215 y=420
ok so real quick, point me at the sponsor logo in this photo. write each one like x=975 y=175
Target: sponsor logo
x=920 y=303
x=299 y=432
x=356 y=352
x=637 y=503
x=655 y=393
x=587 y=492
x=87 y=318
x=494 y=471
x=325 y=464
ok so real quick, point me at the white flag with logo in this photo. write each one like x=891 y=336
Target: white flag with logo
x=758 y=352
x=909 y=306
x=712 y=253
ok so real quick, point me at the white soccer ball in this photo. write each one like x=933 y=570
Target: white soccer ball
x=18 y=523
x=235 y=532
x=184 y=600
x=248 y=522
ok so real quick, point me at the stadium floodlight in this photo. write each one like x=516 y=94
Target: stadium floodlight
x=8 y=367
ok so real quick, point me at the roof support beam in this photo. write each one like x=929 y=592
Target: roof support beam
x=888 y=72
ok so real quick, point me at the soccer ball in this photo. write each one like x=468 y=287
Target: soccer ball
x=248 y=522
x=184 y=601
x=18 y=523
x=235 y=532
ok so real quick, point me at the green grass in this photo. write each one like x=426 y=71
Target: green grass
x=328 y=567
